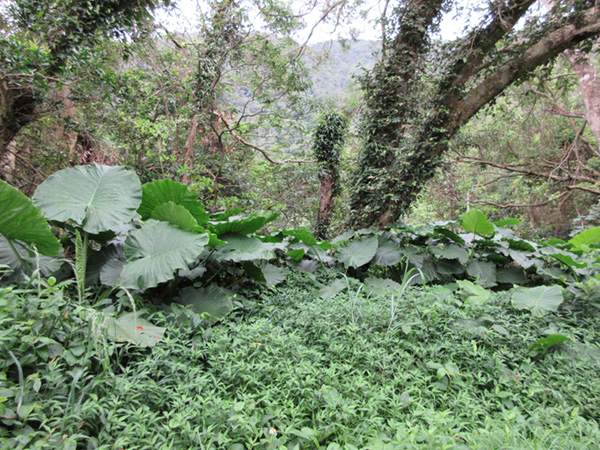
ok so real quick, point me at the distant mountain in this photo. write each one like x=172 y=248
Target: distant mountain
x=333 y=66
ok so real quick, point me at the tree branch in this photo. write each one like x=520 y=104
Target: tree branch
x=262 y=151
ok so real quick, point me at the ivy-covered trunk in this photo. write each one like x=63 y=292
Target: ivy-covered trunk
x=410 y=122
x=328 y=140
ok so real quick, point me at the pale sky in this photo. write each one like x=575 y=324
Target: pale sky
x=450 y=27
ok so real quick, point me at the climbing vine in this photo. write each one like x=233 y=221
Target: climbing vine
x=328 y=141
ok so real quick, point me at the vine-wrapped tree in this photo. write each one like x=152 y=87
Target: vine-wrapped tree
x=412 y=114
x=328 y=140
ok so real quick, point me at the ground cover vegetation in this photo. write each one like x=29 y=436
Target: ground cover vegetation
x=193 y=236
x=158 y=271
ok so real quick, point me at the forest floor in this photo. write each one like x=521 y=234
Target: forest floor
x=291 y=371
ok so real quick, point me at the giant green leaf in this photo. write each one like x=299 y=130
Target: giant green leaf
x=388 y=254
x=378 y=287
x=212 y=300
x=330 y=290
x=23 y=263
x=130 y=327
x=304 y=265
x=449 y=234
x=242 y=225
x=539 y=300
x=155 y=251
x=105 y=265
x=482 y=270
x=586 y=237
x=244 y=248
x=21 y=221
x=302 y=235
x=449 y=266
x=511 y=275
x=357 y=253
x=175 y=214
x=158 y=192
x=274 y=274
x=95 y=197
x=476 y=222
x=454 y=252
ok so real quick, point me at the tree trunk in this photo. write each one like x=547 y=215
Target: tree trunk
x=388 y=191
x=17 y=109
x=589 y=83
x=325 y=207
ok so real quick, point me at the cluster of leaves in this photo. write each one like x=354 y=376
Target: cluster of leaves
x=477 y=256
x=158 y=240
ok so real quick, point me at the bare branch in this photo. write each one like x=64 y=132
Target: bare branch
x=262 y=151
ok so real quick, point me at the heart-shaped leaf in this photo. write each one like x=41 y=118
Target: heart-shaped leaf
x=212 y=300
x=158 y=192
x=95 y=197
x=175 y=214
x=586 y=237
x=539 y=300
x=130 y=327
x=476 y=222
x=155 y=251
x=357 y=253
x=23 y=222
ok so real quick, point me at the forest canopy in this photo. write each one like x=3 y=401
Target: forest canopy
x=231 y=103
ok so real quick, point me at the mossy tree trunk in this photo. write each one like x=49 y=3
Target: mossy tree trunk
x=409 y=123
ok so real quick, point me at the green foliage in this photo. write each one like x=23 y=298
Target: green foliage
x=21 y=222
x=95 y=197
x=23 y=233
x=538 y=300
x=155 y=251
x=328 y=140
x=306 y=373
x=476 y=222
x=130 y=327
x=162 y=192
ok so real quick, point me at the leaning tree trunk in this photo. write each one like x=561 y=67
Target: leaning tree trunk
x=386 y=191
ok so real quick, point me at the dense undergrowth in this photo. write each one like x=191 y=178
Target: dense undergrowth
x=290 y=370
x=141 y=321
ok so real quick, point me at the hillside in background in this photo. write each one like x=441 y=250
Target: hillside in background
x=335 y=64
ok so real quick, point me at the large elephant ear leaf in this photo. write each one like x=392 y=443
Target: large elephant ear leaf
x=95 y=197
x=476 y=222
x=586 y=238
x=243 y=225
x=175 y=214
x=158 y=192
x=539 y=300
x=214 y=301
x=156 y=251
x=21 y=221
x=130 y=327
x=24 y=262
x=357 y=253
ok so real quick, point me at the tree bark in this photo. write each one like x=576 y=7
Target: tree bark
x=415 y=160
x=325 y=207
x=17 y=109
x=390 y=99
x=589 y=83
